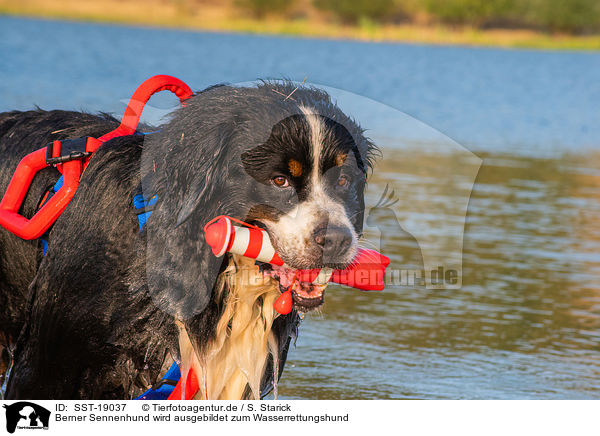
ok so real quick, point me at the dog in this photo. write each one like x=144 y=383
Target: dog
x=110 y=307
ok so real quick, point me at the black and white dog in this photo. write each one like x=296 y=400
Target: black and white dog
x=109 y=308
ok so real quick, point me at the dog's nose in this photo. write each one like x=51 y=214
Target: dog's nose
x=335 y=241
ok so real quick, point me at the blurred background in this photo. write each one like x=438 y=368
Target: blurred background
x=539 y=23
x=456 y=113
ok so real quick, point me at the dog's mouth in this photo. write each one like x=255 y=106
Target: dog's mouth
x=306 y=296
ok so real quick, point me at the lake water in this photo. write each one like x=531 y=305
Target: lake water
x=526 y=321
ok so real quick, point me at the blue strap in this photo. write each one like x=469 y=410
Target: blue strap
x=162 y=389
x=140 y=203
x=53 y=190
x=58 y=184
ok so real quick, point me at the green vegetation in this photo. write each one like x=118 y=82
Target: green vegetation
x=260 y=8
x=477 y=13
x=542 y=24
x=570 y=16
x=353 y=11
x=574 y=16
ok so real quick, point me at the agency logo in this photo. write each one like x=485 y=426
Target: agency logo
x=26 y=415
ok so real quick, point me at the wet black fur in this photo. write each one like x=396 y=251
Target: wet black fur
x=94 y=319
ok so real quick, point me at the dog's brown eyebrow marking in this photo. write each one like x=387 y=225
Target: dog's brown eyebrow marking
x=340 y=159
x=295 y=168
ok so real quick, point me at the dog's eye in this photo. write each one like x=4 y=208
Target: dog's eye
x=343 y=182
x=280 y=181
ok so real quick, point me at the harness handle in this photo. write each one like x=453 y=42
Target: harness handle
x=72 y=169
x=140 y=97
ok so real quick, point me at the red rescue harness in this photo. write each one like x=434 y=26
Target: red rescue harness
x=71 y=157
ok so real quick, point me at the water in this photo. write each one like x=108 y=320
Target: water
x=526 y=321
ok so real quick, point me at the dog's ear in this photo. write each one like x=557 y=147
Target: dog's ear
x=194 y=173
x=191 y=201
x=181 y=269
x=205 y=182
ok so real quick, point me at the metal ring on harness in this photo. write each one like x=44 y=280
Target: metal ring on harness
x=72 y=164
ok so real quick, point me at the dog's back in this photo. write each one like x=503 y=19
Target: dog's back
x=20 y=134
x=68 y=285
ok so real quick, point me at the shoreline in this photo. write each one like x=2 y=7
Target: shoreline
x=404 y=33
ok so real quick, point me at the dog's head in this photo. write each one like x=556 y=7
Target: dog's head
x=310 y=176
x=284 y=158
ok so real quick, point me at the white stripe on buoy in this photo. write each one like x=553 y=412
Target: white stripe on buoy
x=266 y=251
x=241 y=240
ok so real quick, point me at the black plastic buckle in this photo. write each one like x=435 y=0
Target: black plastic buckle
x=70 y=149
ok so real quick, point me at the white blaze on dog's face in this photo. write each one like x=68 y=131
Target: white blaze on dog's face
x=310 y=195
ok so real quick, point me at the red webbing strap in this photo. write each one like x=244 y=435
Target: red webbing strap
x=191 y=387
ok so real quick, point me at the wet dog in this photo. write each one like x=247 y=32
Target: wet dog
x=109 y=307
